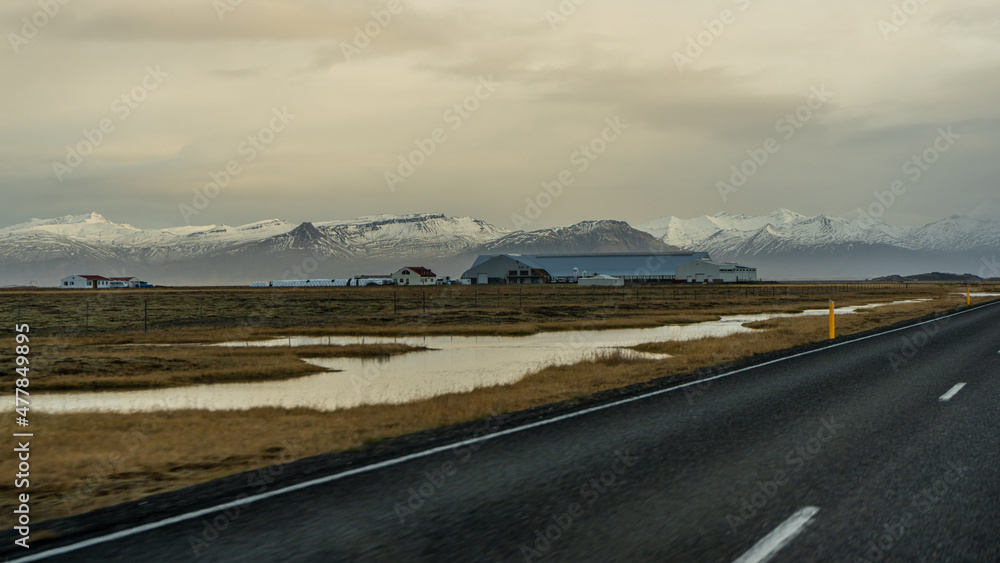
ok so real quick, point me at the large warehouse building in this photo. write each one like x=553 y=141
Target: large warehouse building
x=569 y=268
x=710 y=271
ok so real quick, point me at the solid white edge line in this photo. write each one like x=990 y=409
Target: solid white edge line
x=774 y=542
x=396 y=461
x=954 y=391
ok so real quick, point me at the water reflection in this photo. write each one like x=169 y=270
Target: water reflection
x=454 y=364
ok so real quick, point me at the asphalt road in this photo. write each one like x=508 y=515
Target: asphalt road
x=869 y=450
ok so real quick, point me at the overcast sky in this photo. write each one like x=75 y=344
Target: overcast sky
x=181 y=85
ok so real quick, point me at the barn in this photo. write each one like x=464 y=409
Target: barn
x=647 y=267
x=710 y=271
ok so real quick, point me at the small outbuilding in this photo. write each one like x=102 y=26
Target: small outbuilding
x=414 y=276
x=711 y=271
x=601 y=280
x=127 y=282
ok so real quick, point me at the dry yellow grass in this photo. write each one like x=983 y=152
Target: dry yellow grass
x=85 y=461
x=207 y=314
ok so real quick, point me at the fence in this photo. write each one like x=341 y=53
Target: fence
x=88 y=313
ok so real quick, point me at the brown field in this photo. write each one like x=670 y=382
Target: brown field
x=84 y=461
x=200 y=315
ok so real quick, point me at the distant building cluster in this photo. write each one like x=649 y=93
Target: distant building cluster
x=409 y=276
x=605 y=269
x=90 y=281
x=303 y=283
x=610 y=270
x=711 y=271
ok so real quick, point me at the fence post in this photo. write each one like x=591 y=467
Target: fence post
x=833 y=331
x=145 y=315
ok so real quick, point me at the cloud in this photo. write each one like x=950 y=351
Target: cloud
x=359 y=113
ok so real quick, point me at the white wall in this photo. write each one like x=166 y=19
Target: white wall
x=701 y=271
x=412 y=278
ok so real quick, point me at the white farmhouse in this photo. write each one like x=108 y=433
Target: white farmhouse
x=414 y=276
x=89 y=281
x=85 y=282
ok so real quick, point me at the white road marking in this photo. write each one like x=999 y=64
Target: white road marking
x=954 y=391
x=426 y=453
x=779 y=538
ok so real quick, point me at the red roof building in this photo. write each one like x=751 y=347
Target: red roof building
x=415 y=276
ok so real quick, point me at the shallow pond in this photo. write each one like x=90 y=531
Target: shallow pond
x=454 y=364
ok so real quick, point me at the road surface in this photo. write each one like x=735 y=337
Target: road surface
x=883 y=448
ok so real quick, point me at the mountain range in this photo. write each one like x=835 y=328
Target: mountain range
x=787 y=245
x=782 y=244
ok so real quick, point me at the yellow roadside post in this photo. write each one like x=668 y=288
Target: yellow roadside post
x=968 y=296
x=833 y=331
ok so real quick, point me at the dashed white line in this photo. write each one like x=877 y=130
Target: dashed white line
x=954 y=391
x=780 y=537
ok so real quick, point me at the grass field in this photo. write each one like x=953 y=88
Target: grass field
x=84 y=461
x=374 y=310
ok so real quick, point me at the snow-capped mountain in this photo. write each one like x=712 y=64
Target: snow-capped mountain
x=48 y=249
x=782 y=245
x=786 y=244
x=429 y=234
x=783 y=227
x=955 y=234
x=588 y=236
